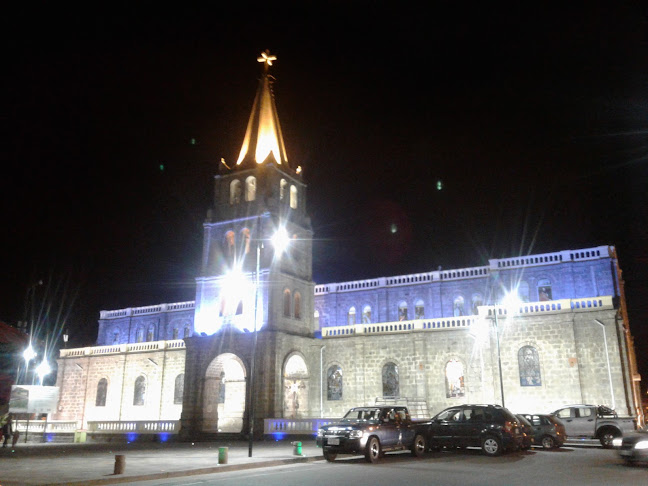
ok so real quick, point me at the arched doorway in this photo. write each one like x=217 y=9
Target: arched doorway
x=224 y=394
x=295 y=384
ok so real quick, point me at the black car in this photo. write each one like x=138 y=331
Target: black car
x=528 y=437
x=548 y=430
x=372 y=431
x=633 y=448
x=491 y=427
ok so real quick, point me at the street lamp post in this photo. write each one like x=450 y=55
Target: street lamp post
x=499 y=356
x=279 y=241
x=509 y=303
x=607 y=358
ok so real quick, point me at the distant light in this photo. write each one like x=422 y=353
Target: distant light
x=393 y=228
x=299 y=169
x=439 y=185
x=161 y=167
x=192 y=141
x=29 y=353
x=43 y=369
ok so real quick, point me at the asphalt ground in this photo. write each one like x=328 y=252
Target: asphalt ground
x=95 y=463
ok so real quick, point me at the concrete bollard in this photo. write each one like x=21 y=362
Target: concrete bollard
x=222 y=455
x=120 y=464
x=297 y=448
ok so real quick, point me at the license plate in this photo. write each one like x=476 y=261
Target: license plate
x=333 y=441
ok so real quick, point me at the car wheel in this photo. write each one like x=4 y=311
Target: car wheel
x=492 y=446
x=373 y=451
x=419 y=446
x=548 y=442
x=329 y=456
x=607 y=437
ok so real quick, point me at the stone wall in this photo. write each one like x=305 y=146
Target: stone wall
x=79 y=375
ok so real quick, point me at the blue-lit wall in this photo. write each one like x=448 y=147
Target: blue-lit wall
x=567 y=279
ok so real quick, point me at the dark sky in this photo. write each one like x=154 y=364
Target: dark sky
x=535 y=121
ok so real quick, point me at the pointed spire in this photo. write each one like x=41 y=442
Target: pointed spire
x=263 y=138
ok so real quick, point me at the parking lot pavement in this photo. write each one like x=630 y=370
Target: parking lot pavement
x=95 y=464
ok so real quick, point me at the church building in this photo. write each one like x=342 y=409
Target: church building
x=263 y=346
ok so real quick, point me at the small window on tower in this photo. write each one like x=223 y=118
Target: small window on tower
x=235 y=192
x=250 y=188
x=293 y=197
x=297 y=300
x=286 y=303
x=282 y=189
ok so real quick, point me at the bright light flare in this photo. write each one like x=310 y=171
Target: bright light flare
x=511 y=302
x=29 y=353
x=43 y=369
x=280 y=240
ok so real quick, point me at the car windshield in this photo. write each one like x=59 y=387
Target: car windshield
x=364 y=414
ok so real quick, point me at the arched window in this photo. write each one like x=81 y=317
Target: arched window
x=402 y=311
x=293 y=197
x=544 y=290
x=390 y=380
x=116 y=336
x=235 y=192
x=297 y=299
x=282 y=189
x=139 y=396
x=229 y=248
x=245 y=240
x=178 y=390
x=529 y=365
x=419 y=310
x=334 y=383
x=366 y=314
x=476 y=302
x=351 y=316
x=187 y=332
x=176 y=333
x=523 y=291
x=250 y=188
x=102 y=391
x=458 y=306
x=150 y=335
x=454 y=377
x=286 y=303
x=140 y=335
x=316 y=318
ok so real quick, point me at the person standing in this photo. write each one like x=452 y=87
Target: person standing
x=7 y=430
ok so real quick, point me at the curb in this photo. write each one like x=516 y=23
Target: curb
x=117 y=479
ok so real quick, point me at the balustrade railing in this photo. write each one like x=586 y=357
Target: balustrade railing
x=123 y=348
x=464 y=322
x=301 y=426
x=45 y=427
x=134 y=426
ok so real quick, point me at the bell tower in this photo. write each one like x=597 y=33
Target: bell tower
x=256 y=269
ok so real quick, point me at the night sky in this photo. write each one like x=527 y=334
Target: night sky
x=535 y=121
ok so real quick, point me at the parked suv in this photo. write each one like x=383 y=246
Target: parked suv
x=372 y=431
x=491 y=427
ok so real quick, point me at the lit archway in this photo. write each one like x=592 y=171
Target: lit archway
x=224 y=394
x=295 y=384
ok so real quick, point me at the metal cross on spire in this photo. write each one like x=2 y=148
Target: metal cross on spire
x=266 y=58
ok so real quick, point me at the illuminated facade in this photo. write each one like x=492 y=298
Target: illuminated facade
x=428 y=338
